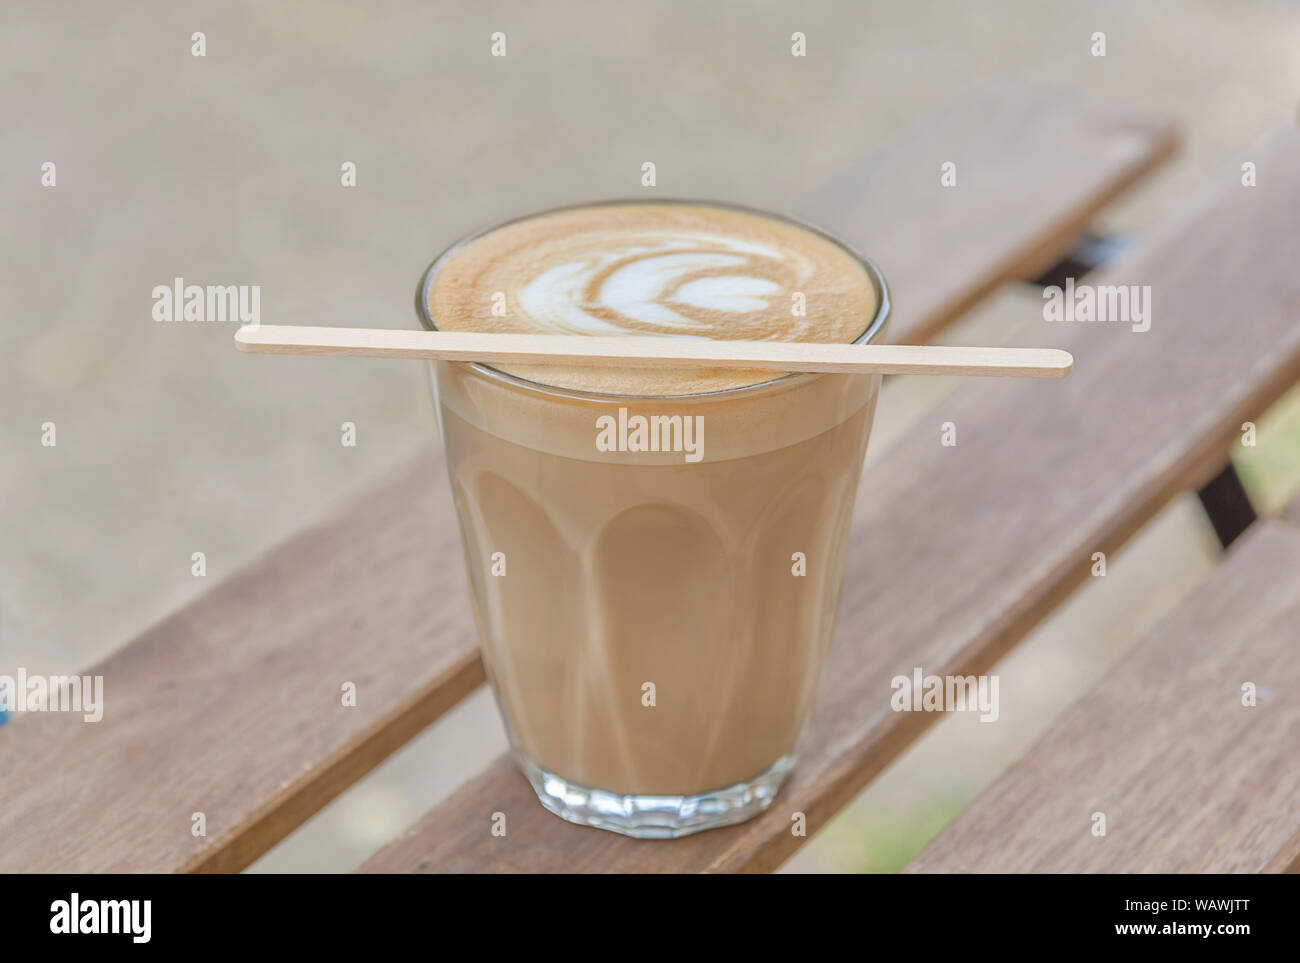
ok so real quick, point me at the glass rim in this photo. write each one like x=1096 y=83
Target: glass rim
x=870 y=333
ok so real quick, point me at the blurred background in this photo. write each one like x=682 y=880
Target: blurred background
x=225 y=169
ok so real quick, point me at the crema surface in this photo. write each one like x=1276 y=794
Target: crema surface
x=670 y=270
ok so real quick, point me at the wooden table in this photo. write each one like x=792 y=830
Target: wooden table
x=230 y=706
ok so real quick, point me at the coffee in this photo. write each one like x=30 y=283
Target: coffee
x=679 y=270
x=654 y=626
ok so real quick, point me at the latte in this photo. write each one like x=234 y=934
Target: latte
x=673 y=270
x=653 y=616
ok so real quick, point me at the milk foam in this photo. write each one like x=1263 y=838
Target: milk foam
x=671 y=270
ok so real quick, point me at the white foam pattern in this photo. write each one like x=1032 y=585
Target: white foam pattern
x=682 y=282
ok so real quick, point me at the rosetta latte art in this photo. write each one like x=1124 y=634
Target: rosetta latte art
x=671 y=270
x=686 y=285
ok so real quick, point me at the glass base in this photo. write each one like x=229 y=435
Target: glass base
x=656 y=817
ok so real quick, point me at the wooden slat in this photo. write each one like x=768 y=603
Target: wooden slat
x=1189 y=780
x=957 y=552
x=1002 y=221
x=231 y=707
x=1292 y=510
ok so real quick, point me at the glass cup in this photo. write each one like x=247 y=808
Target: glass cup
x=654 y=623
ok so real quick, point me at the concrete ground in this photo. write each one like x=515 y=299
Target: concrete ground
x=226 y=169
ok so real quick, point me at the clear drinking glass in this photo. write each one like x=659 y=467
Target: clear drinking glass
x=653 y=628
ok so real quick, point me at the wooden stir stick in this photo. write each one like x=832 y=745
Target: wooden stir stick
x=637 y=352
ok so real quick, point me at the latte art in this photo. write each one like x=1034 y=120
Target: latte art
x=675 y=270
x=681 y=283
